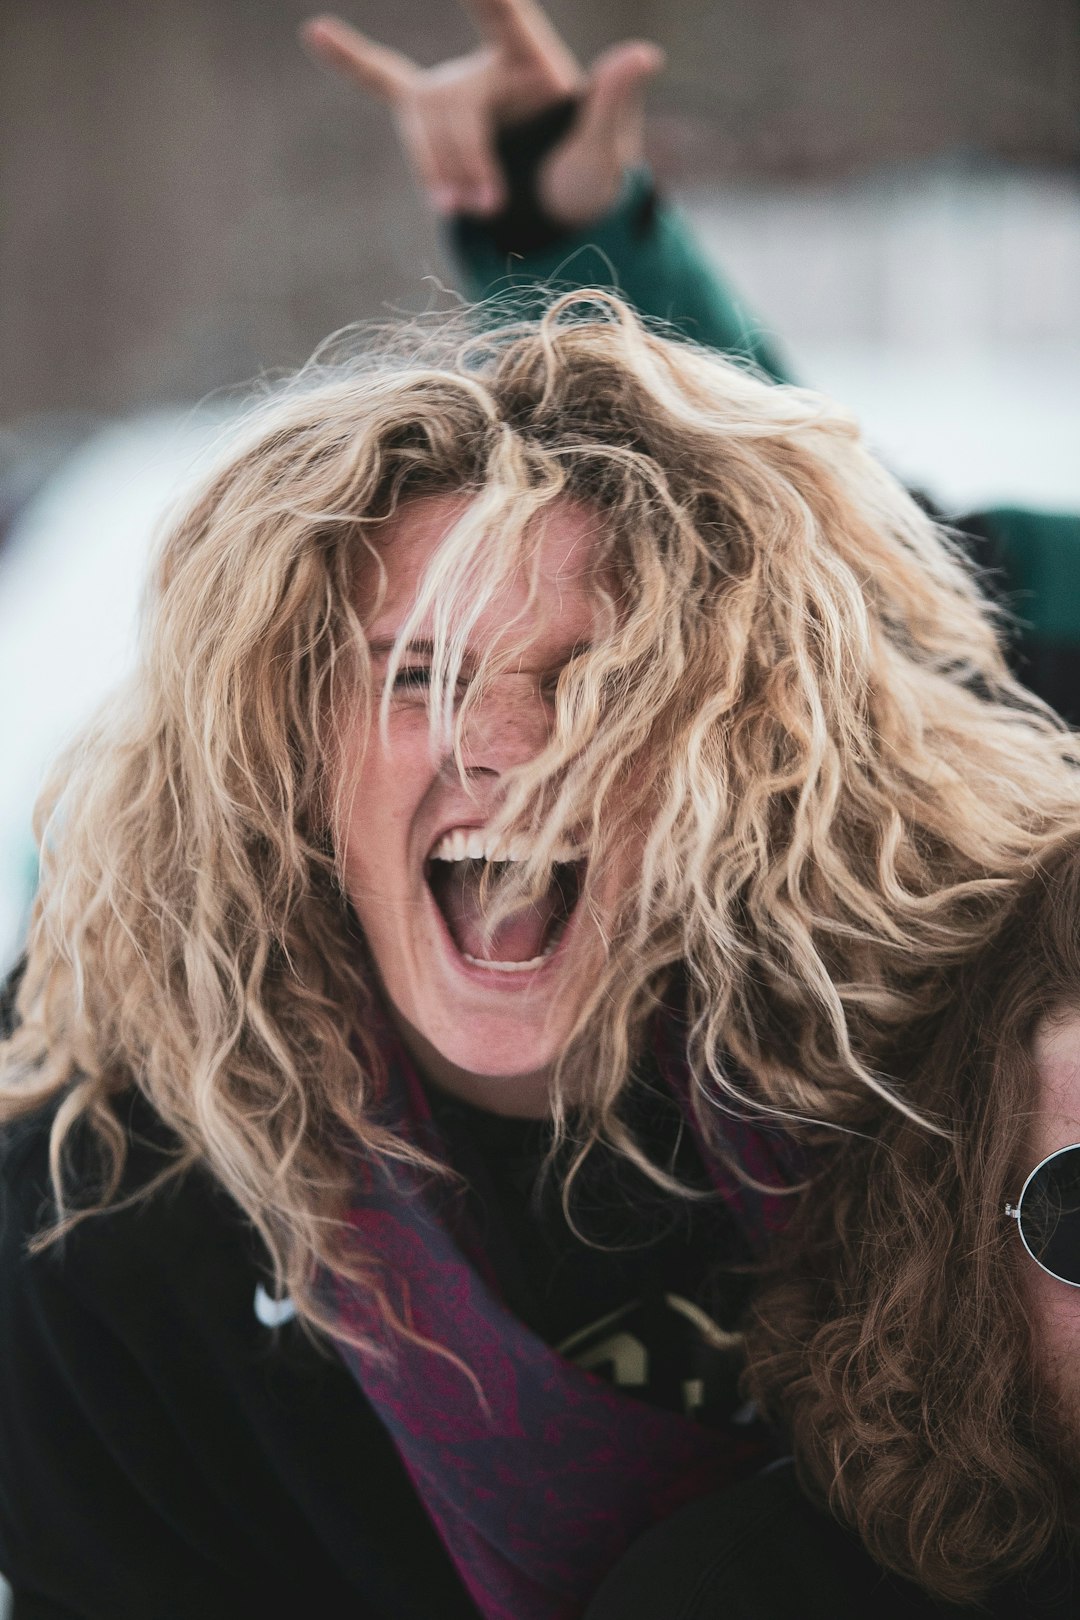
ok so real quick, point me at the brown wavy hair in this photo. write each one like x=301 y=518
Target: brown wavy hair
x=800 y=703
x=895 y=1340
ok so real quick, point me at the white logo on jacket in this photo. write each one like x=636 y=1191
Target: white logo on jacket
x=270 y=1311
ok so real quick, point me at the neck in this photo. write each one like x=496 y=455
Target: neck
x=518 y=1096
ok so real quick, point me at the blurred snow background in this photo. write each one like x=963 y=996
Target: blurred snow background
x=940 y=302
x=71 y=576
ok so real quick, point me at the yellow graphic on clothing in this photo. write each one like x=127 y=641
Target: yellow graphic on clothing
x=610 y=1344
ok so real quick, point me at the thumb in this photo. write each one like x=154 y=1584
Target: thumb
x=612 y=107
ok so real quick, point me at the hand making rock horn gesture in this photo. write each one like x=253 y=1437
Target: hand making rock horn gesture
x=450 y=115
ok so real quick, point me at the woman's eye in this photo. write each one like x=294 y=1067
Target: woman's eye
x=416 y=676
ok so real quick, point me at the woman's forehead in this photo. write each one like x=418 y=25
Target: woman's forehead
x=567 y=537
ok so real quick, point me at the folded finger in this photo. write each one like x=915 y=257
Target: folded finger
x=426 y=158
x=465 y=144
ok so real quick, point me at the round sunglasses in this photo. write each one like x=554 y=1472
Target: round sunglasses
x=1047 y=1214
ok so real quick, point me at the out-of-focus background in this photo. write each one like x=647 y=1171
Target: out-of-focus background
x=186 y=202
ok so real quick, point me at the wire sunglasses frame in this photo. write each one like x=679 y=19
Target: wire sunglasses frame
x=1016 y=1212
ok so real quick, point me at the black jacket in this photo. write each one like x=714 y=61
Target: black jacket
x=165 y=1455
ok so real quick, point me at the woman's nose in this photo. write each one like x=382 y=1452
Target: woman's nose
x=509 y=724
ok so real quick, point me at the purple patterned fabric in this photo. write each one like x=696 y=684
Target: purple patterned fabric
x=539 y=1488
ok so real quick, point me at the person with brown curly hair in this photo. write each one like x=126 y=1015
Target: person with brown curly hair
x=918 y=1336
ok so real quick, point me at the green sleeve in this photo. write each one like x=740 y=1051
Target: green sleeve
x=1034 y=563
x=1039 y=554
x=642 y=249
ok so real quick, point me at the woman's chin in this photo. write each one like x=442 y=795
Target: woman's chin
x=490 y=1051
x=486 y=1062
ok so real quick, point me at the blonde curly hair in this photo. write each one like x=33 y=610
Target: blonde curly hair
x=799 y=701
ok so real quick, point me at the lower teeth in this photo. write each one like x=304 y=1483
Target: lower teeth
x=534 y=962
x=511 y=967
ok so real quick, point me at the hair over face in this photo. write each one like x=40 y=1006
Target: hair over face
x=798 y=705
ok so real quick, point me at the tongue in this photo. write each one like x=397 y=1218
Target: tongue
x=519 y=938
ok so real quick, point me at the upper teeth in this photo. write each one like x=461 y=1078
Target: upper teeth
x=477 y=844
x=474 y=844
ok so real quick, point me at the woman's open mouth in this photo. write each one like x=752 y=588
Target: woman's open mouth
x=522 y=942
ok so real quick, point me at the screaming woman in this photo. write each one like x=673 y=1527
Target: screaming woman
x=561 y=769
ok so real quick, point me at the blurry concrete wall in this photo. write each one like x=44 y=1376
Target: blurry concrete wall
x=185 y=200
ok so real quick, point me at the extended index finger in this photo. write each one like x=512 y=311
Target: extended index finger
x=518 y=26
x=345 y=50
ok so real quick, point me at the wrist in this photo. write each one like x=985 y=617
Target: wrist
x=628 y=230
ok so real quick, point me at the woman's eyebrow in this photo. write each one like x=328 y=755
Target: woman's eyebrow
x=383 y=646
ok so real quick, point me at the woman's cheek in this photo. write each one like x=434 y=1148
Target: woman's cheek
x=1055 y=1316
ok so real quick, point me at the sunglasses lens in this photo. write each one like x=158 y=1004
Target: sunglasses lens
x=1050 y=1215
